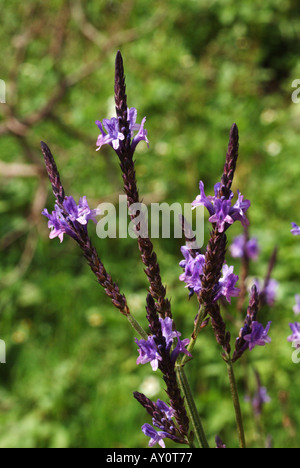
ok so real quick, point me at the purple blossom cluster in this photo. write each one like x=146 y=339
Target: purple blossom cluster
x=193 y=271
x=241 y=247
x=114 y=136
x=258 y=336
x=70 y=218
x=156 y=437
x=150 y=352
x=222 y=212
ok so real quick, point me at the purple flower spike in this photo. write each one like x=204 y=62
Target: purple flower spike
x=156 y=437
x=295 y=327
x=296 y=307
x=296 y=230
x=148 y=352
x=258 y=336
x=227 y=284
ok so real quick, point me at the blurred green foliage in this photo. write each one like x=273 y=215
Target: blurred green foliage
x=193 y=68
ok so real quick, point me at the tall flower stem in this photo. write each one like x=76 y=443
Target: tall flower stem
x=236 y=404
x=137 y=327
x=199 y=320
x=191 y=408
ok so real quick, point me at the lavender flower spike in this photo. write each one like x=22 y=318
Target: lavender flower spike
x=296 y=230
x=258 y=336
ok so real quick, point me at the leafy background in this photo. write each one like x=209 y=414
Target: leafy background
x=194 y=68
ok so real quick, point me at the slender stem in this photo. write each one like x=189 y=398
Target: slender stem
x=191 y=408
x=135 y=324
x=236 y=404
x=197 y=328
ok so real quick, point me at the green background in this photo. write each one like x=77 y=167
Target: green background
x=193 y=68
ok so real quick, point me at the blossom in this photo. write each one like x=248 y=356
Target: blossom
x=296 y=229
x=221 y=211
x=258 y=336
x=295 y=327
x=156 y=437
x=296 y=307
x=114 y=136
x=167 y=410
x=193 y=272
x=193 y=269
x=226 y=286
x=148 y=352
x=60 y=221
x=141 y=131
x=241 y=247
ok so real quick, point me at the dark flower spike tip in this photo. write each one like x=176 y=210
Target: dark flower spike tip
x=230 y=164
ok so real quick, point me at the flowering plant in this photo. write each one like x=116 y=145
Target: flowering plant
x=207 y=276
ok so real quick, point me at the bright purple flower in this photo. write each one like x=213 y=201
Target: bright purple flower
x=156 y=437
x=162 y=406
x=227 y=284
x=221 y=216
x=58 y=219
x=240 y=247
x=148 y=349
x=193 y=269
x=296 y=307
x=296 y=229
x=167 y=331
x=258 y=336
x=141 y=131
x=295 y=327
x=148 y=352
x=220 y=209
x=113 y=136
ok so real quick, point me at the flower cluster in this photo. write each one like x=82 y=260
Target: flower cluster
x=193 y=271
x=222 y=212
x=258 y=336
x=67 y=218
x=295 y=337
x=241 y=247
x=150 y=352
x=114 y=136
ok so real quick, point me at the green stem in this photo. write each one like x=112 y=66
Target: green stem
x=236 y=404
x=197 y=328
x=135 y=324
x=191 y=408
